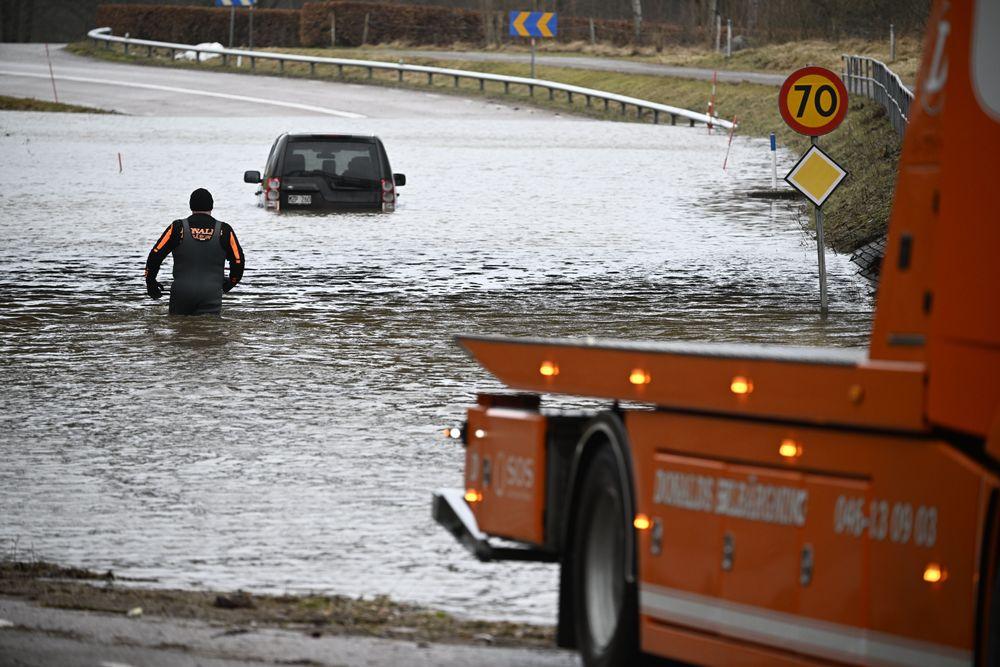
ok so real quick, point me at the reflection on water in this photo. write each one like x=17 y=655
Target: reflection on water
x=293 y=444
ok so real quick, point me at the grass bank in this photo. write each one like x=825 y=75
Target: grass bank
x=865 y=144
x=59 y=587
x=771 y=58
x=30 y=104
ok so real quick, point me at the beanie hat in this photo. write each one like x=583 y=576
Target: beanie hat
x=201 y=200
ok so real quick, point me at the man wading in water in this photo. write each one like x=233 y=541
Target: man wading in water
x=200 y=245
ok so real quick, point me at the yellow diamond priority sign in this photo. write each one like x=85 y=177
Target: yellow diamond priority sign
x=816 y=175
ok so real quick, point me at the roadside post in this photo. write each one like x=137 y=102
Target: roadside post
x=533 y=24
x=813 y=102
x=732 y=130
x=711 y=101
x=52 y=76
x=233 y=4
x=774 y=163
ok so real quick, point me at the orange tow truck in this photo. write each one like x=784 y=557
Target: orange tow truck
x=767 y=505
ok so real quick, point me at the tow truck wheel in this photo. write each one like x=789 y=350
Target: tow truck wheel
x=606 y=613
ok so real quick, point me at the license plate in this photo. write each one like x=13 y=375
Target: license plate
x=300 y=199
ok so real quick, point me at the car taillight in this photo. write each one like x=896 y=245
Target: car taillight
x=273 y=188
x=388 y=193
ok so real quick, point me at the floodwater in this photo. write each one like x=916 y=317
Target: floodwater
x=293 y=444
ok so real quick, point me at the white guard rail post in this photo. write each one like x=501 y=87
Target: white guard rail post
x=642 y=107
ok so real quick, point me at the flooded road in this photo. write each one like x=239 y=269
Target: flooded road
x=293 y=444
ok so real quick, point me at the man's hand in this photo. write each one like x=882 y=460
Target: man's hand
x=154 y=289
x=226 y=285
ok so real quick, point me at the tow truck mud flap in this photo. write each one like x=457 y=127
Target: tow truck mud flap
x=452 y=512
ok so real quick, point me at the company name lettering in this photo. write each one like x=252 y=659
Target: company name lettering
x=749 y=499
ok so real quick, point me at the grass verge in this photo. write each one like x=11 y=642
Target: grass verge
x=784 y=58
x=54 y=586
x=771 y=58
x=30 y=104
x=865 y=144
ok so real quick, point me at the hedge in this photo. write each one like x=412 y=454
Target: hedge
x=619 y=32
x=417 y=24
x=194 y=25
x=421 y=24
x=310 y=26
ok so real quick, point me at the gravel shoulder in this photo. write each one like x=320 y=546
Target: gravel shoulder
x=55 y=615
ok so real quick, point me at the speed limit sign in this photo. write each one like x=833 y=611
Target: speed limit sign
x=813 y=101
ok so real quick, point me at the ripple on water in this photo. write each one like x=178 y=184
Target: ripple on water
x=292 y=444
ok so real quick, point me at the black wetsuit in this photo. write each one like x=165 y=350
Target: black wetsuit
x=200 y=245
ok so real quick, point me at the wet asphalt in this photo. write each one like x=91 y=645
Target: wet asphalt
x=142 y=90
x=31 y=636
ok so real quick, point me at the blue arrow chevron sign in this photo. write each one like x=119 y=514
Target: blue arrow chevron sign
x=533 y=24
x=235 y=3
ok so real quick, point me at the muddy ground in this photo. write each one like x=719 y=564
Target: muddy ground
x=54 y=586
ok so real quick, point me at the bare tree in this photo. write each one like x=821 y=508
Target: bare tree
x=637 y=17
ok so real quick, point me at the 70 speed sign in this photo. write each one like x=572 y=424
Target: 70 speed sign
x=813 y=101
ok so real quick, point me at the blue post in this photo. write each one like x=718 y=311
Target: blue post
x=774 y=163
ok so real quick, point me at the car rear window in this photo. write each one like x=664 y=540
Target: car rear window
x=354 y=161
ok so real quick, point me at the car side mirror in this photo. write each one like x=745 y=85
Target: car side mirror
x=399 y=179
x=251 y=177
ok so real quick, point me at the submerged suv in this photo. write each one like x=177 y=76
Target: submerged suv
x=327 y=172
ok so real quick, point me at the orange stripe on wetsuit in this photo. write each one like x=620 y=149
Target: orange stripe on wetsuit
x=236 y=251
x=163 y=239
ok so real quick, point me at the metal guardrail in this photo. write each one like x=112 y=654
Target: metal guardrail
x=873 y=79
x=643 y=108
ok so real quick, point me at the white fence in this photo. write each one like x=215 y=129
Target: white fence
x=643 y=108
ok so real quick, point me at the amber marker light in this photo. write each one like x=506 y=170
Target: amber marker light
x=473 y=496
x=548 y=369
x=639 y=377
x=741 y=386
x=790 y=449
x=934 y=573
x=641 y=522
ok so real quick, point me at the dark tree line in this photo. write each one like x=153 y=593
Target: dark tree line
x=766 y=20
x=760 y=20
